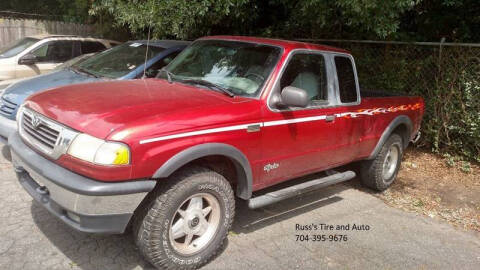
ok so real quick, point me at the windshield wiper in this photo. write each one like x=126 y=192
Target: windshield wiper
x=83 y=71
x=210 y=85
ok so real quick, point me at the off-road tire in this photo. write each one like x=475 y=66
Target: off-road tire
x=151 y=225
x=371 y=171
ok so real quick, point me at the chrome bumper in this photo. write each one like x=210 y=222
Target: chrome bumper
x=84 y=204
x=7 y=127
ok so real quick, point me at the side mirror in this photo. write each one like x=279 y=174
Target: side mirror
x=28 y=59
x=294 y=97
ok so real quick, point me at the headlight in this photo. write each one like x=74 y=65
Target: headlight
x=98 y=151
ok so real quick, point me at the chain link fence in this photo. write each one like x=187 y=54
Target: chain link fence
x=446 y=75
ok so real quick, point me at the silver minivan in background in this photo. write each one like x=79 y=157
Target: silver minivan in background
x=35 y=55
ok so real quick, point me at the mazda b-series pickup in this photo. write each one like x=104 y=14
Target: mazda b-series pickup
x=228 y=117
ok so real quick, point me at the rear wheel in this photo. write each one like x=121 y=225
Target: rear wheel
x=380 y=172
x=187 y=220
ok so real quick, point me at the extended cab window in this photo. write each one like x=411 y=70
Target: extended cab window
x=54 y=52
x=346 y=79
x=307 y=71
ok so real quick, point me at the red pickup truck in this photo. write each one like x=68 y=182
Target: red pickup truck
x=228 y=117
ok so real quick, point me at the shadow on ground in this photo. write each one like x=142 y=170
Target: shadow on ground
x=248 y=220
x=90 y=251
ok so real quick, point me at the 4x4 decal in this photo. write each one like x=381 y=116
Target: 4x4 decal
x=270 y=166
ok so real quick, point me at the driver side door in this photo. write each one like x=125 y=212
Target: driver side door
x=298 y=141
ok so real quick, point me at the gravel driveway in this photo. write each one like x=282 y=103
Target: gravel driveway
x=384 y=238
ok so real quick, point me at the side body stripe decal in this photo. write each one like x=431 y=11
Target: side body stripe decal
x=200 y=132
x=367 y=112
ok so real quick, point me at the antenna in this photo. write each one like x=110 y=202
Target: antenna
x=146 y=52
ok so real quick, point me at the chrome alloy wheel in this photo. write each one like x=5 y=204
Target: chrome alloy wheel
x=390 y=162
x=195 y=223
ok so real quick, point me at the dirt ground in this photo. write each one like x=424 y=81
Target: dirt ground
x=427 y=185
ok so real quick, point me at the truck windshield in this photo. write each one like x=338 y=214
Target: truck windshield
x=240 y=67
x=118 y=61
x=17 y=47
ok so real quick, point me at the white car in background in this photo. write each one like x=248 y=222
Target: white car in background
x=35 y=55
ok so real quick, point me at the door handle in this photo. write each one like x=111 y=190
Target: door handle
x=253 y=128
x=330 y=118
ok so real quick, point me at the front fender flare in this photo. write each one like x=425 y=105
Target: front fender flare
x=242 y=165
x=399 y=120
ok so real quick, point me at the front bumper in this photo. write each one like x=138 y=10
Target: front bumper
x=7 y=128
x=82 y=203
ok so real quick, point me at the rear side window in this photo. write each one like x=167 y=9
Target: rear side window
x=91 y=47
x=346 y=79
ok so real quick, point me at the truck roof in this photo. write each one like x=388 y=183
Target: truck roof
x=286 y=44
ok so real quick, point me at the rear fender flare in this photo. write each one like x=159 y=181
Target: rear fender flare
x=242 y=165
x=399 y=120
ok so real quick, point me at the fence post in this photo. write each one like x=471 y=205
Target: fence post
x=440 y=55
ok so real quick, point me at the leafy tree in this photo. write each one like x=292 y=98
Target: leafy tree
x=342 y=18
x=286 y=18
x=182 y=19
x=431 y=20
x=426 y=20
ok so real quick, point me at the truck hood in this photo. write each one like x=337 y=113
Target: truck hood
x=101 y=108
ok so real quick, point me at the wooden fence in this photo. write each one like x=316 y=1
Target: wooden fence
x=14 y=29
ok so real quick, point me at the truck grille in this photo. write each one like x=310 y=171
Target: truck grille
x=44 y=134
x=38 y=130
x=6 y=107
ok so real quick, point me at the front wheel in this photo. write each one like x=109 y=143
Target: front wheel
x=379 y=173
x=187 y=220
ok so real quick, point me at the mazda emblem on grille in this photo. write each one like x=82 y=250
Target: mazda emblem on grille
x=35 y=121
